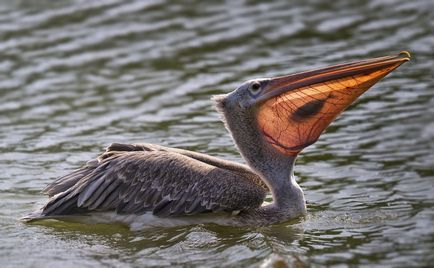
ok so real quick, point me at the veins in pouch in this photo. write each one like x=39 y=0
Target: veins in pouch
x=285 y=106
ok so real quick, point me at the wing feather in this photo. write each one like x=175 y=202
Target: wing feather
x=135 y=178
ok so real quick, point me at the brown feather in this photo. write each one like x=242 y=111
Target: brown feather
x=135 y=178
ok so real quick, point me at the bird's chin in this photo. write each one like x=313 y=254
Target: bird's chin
x=245 y=104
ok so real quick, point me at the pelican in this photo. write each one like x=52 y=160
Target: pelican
x=271 y=121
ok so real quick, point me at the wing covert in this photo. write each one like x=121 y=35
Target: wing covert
x=165 y=182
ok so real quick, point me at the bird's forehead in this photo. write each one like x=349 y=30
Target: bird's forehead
x=247 y=83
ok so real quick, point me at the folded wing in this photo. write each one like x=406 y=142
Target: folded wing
x=134 y=179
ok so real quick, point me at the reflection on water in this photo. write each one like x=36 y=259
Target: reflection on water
x=78 y=75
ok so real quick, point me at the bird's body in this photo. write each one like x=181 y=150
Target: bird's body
x=151 y=185
x=140 y=178
x=271 y=120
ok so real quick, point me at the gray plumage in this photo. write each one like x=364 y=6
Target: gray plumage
x=169 y=182
x=136 y=178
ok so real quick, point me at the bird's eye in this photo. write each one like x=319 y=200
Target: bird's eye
x=255 y=87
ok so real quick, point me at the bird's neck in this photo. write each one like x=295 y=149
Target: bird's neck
x=288 y=197
x=274 y=168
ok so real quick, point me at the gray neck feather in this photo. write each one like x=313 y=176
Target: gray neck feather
x=275 y=169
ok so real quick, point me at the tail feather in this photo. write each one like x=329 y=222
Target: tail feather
x=63 y=193
x=66 y=182
x=35 y=215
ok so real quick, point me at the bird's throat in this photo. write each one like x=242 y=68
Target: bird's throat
x=274 y=168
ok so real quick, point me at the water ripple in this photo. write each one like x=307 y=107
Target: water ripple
x=78 y=75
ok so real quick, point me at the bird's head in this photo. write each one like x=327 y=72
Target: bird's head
x=290 y=112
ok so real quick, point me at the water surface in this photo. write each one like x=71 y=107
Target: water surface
x=78 y=75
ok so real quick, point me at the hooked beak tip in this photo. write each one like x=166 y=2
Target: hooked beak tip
x=405 y=53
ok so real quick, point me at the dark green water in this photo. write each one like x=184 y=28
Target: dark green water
x=78 y=75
